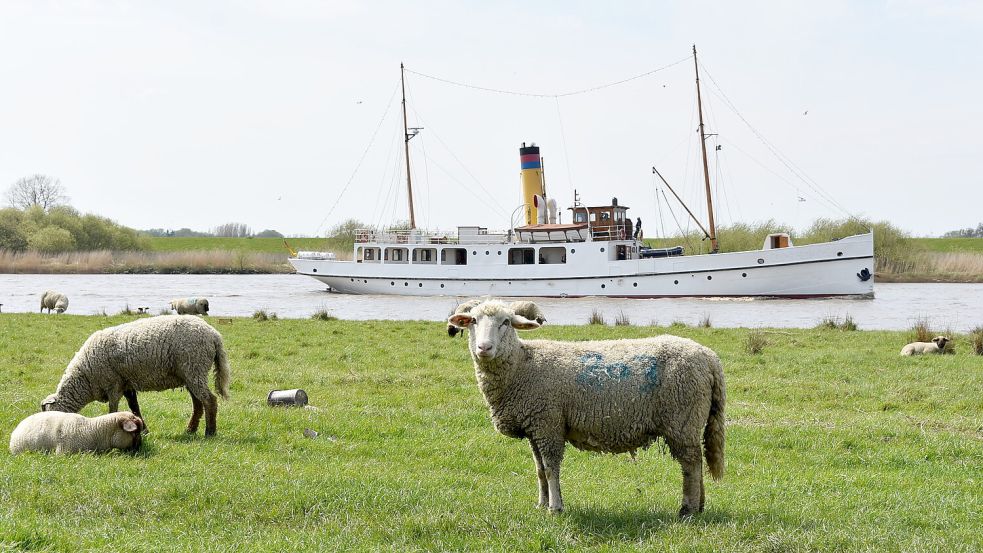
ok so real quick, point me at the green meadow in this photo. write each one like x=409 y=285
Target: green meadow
x=834 y=443
x=256 y=245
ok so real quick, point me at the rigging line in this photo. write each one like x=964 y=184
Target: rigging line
x=360 y=160
x=683 y=234
x=426 y=165
x=566 y=154
x=780 y=177
x=380 y=206
x=547 y=95
x=455 y=179
x=459 y=162
x=781 y=157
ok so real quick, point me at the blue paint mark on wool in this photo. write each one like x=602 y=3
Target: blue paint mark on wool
x=596 y=373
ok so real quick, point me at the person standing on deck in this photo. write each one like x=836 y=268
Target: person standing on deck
x=638 y=229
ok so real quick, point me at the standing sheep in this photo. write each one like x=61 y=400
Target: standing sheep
x=74 y=433
x=158 y=353
x=54 y=300
x=190 y=306
x=611 y=396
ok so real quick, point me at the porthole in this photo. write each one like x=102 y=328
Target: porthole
x=365 y=281
x=602 y=249
x=474 y=252
x=487 y=252
x=441 y=285
x=839 y=254
x=352 y=279
x=761 y=261
x=573 y=250
x=709 y=277
x=499 y=252
x=406 y=284
x=675 y=282
x=391 y=283
x=603 y=285
x=315 y=270
x=744 y=275
x=635 y=284
x=420 y=285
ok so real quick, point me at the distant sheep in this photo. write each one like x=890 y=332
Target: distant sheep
x=58 y=432
x=54 y=300
x=190 y=306
x=611 y=396
x=156 y=353
x=937 y=345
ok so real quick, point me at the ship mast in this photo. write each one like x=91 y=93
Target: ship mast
x=714 y=248
x=406 y=143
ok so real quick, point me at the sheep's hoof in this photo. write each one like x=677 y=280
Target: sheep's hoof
x=209 y=434
x=686 y=512
x=556 y=510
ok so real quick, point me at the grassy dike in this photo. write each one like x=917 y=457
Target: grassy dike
x=834 y=443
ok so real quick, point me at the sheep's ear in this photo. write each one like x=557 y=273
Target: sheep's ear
x=461 y=320
x=48 y=401
x=129 y=425
x=936 y=339
x=521 y=323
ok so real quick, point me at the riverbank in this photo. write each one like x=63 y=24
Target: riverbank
x=834 y=442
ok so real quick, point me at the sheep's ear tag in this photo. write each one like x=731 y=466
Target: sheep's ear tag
x=130 y=426
x=462 y=320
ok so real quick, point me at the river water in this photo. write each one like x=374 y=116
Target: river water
x=958 y=307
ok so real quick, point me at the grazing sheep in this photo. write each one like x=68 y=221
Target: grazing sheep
x=611 y=396
x=190 y=306
x=157 y=353
x=937 y=345
x=527 y=309
x=74 y=433
x=54 y=300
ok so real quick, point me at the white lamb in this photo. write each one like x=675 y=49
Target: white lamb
x=190 y=306
x=74 y=433
x=937 y=345
x=610 y=396
x=156 y=353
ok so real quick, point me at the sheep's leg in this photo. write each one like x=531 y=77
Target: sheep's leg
x=196 y=412
x=544 y=489
x=551 y=451
x=131 y=400
x=691 y=461
x=114 y=402
x=211 y=414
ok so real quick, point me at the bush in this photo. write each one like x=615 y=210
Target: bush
x=622 y=319
x=262 y=315
x=323 y=314
x=51 y=240
x=705 y=321
x=596 y=318
x=62 y=229
x=976 y=337
x=834 y=323
x=755 y=342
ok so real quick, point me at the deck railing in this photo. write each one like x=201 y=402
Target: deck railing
x=418 y=236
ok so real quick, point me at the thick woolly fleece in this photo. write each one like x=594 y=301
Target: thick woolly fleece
x=74 y=433
x=54 y=300
x=190 y=306
x=609 y=396
x=156 y=353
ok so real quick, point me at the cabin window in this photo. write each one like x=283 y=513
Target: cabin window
x=552 y=255
x=453 y=256
x=371 y=254
x=424 y=255
x=522 y=256
x=396 y=255
x=579 y=217
x=605 y=216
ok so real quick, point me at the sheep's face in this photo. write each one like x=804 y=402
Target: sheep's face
x=59 y=309
x=490 y=324
x=51 y=403
x=203 y=306
x=129 y=435
x=940 y=341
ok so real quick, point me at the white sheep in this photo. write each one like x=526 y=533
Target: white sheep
x=74 y=433
x=937 y=345
x=157 y=353
x=190 y=306
x=54 y=300
x=611 y=396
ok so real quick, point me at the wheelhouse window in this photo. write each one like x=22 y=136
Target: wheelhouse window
x=453 y=256
x=396 y=255
x=552 y=255
x=522 y=256
x=370 y=255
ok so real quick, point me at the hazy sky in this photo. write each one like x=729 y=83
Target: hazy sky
x=192 y=114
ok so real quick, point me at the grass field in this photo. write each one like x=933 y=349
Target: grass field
x=259 y=245
x=951 y=245
x=834 y=443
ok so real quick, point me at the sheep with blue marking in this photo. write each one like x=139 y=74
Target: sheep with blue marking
x=612 y=396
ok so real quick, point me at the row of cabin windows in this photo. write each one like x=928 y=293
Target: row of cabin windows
x=459 y=256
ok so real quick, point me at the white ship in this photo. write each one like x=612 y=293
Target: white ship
x=595 y=255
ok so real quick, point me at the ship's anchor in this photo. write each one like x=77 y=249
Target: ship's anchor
x=864 y=275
